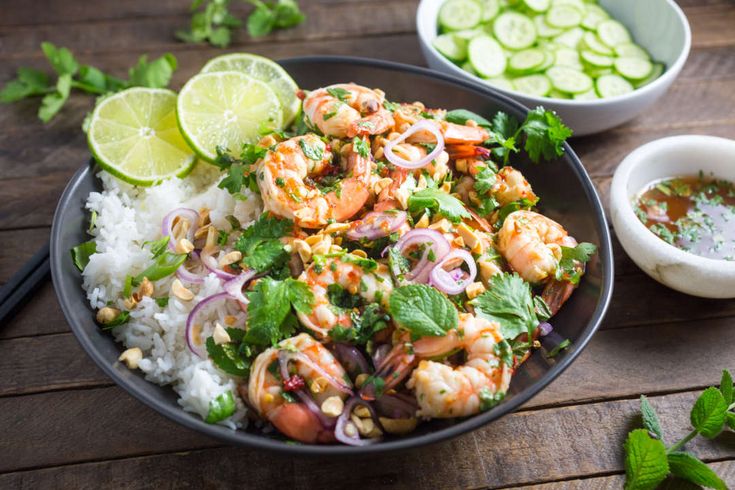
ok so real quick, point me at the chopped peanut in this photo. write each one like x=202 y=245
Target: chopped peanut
x=202 y=231
x=319 y=385
x=446 y=187
x=381 y=184
x=178 y=290
x=230 y=258
x=423 y=222
x=361 y=411
x=230 y=320
x=461 y=165
x=350 y=429
x=211 y=241
x=107 y=314
x=398 y=426
x=145 y=289
x=335 y=228
x=314 y=239
x=131 y=357
x=443 y=225
x=204 y=216
x=333 y=406
x=458 y=241
x=184 y=246
x=303 y=249
x=129 y=303
x=220 y=335
x=488 y=269
x=360 y=253
x=474 y=290
x=468 y=235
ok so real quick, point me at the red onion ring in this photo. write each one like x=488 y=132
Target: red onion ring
x=185 y=275
x=445 y=281
x=339 y=430
x=211 y=264
x=397 y=406
x=422 y=125
x=440 y=246
x=380 y=353
x=351 y=358
x=326 y=421
x=168 y=222
x=233 y=287
x=376 y=225
x=191 y=341
x=545 y=328
x=338 y=384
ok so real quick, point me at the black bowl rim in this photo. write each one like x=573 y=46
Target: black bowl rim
x=242 y=438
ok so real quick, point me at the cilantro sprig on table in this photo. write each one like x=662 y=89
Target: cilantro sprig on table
x=212 y=22
x=648 y=460
x=70 y=74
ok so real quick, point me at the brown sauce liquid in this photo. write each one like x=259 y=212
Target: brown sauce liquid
x=693 y=213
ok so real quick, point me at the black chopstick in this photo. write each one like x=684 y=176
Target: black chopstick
x=24 y=282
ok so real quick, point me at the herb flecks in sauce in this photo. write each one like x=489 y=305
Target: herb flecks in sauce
x=693 y=213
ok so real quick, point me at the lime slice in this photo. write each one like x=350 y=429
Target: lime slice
x=265 y=70
x=134 y=136
x=227 y=109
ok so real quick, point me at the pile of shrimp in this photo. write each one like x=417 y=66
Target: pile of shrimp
x=392 y=381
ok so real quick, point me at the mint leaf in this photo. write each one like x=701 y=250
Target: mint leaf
x=60 y=59
x=81 y=253
x=509 y=302
x=545 y=135
x=650 y=419
x=288 y=14
x=461 y=116
x=270 y=318
x=645 y=461
x=730 y=420
x=438 y=202
x=231 y=357
x=53 y=102
x=708 y=413
x=688 y=467
x=220 y=408
x=726 y=387
x=154 y=74
x=422 y=310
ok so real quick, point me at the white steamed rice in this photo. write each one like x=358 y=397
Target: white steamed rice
x=128 y=216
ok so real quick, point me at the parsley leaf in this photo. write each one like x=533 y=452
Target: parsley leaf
x=423 y=310
x=645 y=461
x=571 y=257
x=270 y=315
x=81 y=253
x=268 y=16
x=220 y=408
x=260 y=245
x=439 y=202
x=509 y=302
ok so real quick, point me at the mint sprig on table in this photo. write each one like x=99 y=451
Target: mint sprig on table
x=648 y=461
x=70 y=74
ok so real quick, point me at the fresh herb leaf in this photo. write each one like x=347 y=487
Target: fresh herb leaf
x=423 y=310
x=512 y=207
x=268 y=16
x=504 y=351
x=398 y=264
x=128 y=286
x=154 y=74
x=250 y=154
x=61 y=59
x=338 y=93
x=232 y=357
x=461 y=116
x=260 y=245
x=488 y=399
x=233 y=180
x=163 y=301
x=378 y=384
x=438 y=202
x=313 y=152
x=28 y=83
x=53 y=102
x=542 y=310
x=564 y=344
x=689 y=467
x=726 y=387
x=121 y=319
x=708 y=413
x=163 y=265
x=571 y=259
x=81 y=253
x=509 y=302
x=361 y=146
x=270 y=315
x=485 y=180
x=645 y=461
x=220 y=408
x=650 y=419
x=157 y=247
x=212 y=24
x=364 y=326
x=341 y=298
x=545 y=135
x=391 y=106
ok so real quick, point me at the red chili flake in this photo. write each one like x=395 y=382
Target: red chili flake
x=301 y=94
x=329 y=147
x=294 y=383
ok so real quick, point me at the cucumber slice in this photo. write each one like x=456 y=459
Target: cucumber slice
x=537 y=6
x=526 y=61
x=613 y=33
x=543 y=28
x=514 y=30
x=569 y=80
x=452 y=47
x=467 y=66
x=537 y=85
x=564 y=16
x=568 y=57
x=633 y=68
x=456 y=15
x=592 y=42
x=490 y=9
x=501 y=82
x=589 y=95
x=549 y=60
x=598 y=72
x=570 y=38
x=612 y=86
x=596 y=60
x=487 y=56
x=575 y=3
x=658 y=69
x=631 y=50
x=557 y=94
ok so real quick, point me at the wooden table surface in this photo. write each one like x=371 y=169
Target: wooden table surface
x=65 y=424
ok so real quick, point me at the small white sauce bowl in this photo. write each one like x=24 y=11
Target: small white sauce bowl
x=660 y=26
x=670 y=157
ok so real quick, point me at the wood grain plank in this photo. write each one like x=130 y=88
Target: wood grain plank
x=18 y=247
x=582 y=440
x=41 y=315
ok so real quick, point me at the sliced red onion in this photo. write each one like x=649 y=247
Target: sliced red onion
x=376 y=225
x=338 y=384
x=397 y=406
x=196 y=345
x=436 y=243
x=168 y=223
x=185 y=275
x=344 y=418
x=327 y=422
x=233 y=287
x=422 y=125
x=351 y=359
x=380 y=353
x=444 y=281
x=545 y=329
x=211 y=264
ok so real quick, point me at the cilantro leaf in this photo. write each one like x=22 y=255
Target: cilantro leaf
x=312 y=152
x=53 y=102
x=708 y=413
x=461 y=116
x=60 y=59
x=260 y=244
x=220 y=408
x=29 y=82
x=81 y=253
x=423 y=310
x=688 y=467
x=154 y=74
x=504 y=125
x=212 y=24
x=571 y=257
x=438 y=202
x=512 y=207
x=270 y=317
x=339 y=93
x=488 y=399
x=545 y=135
x=233 y=180
x=252 y=153
x=268 y=16
x=361 y=146
x=485 y=180
x=645 y=461
x=650 y=419
x=509 y=302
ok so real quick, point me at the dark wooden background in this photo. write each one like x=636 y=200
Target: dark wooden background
x=65 y=424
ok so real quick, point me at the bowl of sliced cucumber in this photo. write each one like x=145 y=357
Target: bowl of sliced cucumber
x=598 y=64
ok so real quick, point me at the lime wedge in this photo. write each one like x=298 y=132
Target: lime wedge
x=227 y=109
x=265 y=70
x=134 y=136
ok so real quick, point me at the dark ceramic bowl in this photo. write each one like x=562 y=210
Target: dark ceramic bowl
x=567 y=196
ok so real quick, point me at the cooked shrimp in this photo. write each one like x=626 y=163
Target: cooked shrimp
x=313 y=363
x=347 y=109
x=282 y=181
x=444 y=391
x=347 y=272
x=510 y=185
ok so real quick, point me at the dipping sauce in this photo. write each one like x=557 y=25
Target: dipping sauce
x=693 y=213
